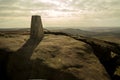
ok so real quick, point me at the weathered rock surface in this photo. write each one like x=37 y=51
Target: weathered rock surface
x=59 y=58
x=55 y=58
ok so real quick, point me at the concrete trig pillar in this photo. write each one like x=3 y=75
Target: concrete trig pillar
x=20 y=62
x=36 y=31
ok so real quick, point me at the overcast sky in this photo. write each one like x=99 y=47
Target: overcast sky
x=60 y=13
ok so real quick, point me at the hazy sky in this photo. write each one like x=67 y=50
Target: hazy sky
x=60 y=13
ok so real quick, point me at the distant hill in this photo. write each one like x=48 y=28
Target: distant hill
x=14 y=29
x=92 y=33
x=76 y=32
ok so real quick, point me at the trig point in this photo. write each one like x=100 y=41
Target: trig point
x=36 y=27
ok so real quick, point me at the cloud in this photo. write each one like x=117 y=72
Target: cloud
x=8 y=2
x=86 y=10
x=26 y=6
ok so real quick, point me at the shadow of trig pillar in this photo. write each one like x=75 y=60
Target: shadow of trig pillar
x=36 y=31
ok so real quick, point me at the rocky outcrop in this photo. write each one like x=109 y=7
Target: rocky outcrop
x=62 y=59
x=57 y=57
x=103 y=50
x=55 y=67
